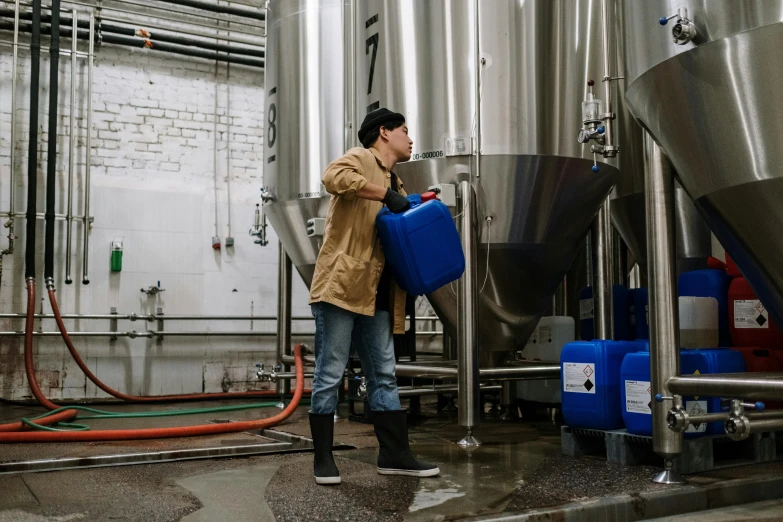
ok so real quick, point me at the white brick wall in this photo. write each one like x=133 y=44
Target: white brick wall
x=152 y=183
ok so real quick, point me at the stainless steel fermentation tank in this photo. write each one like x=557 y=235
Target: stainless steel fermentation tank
x=492 y=94
x=715 y=106
x=693 y=235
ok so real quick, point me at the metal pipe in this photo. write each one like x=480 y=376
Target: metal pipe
x=157 y=16
x=531 y=371
x=216 y=237
x=407 y=391
x=216 y=8
x=153 y=317
x=41 y=215
x=605 y=37
x=284 y=276
x=153 y=333
x=752 y=386
x=88 y=153
x=467 y=311
x=664 y=315
x=477 y=85
x=762 y=415
x=179 y=49
x=180 y=30
x=603 y=309
x=308 y=360
x=12 y=181
x=32 y=159
x=71 y=152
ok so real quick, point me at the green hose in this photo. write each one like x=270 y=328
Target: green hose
x=103 y=414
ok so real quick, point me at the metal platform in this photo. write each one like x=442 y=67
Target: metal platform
x=707 y=453
x=271 y=442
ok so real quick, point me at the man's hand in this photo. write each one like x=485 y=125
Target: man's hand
x=397 y=203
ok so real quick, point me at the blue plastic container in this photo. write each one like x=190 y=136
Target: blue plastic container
x=709 y=283
x=421 y=245
x=590 y=376
x=641 y=312
x=586 y=313
x=635 y=383
x=720 y=360
x=636 y=391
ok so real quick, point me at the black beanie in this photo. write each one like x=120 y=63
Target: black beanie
x=376 y=119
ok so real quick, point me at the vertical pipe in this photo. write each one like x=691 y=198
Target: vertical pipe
x=477 y=84
x=51 y=158
x=284 y=273
x=605 y=33
x=603 y=313
x=88 y=161
x=32 y=158
x=467 y=309
x=620 y=262
x=228 y=147
x=71 y=150
x=12 y=181
x=664 y=315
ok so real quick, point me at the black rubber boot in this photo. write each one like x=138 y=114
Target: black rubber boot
x=395 y=457
x=324 y=468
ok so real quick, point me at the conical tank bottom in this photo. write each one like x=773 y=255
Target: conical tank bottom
x=541 y=209
x=717 y=112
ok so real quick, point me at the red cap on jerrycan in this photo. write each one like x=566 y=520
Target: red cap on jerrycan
x=428 y=196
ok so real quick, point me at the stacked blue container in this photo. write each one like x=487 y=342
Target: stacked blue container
x=590 y=373
x=636 y=391
x=641 y=312
x=621 y=307
x=709 y=283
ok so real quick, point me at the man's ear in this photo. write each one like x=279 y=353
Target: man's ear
x=384 y=133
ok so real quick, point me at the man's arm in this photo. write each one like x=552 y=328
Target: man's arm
x=372 y=192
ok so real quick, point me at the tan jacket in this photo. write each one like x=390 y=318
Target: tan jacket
x=350 y=262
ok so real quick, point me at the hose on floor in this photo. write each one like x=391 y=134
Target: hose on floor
x=160 y=433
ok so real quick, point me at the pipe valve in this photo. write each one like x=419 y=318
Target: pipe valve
x=259 y=226
x=684 y=30
x=153 y=290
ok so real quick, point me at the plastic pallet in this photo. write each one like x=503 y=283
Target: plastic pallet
x=706 y=453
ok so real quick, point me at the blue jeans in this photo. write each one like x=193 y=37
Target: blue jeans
x=335 y=330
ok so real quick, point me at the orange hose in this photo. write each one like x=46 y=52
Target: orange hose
x=160 y=433
x=29 y=368
x=136 y=398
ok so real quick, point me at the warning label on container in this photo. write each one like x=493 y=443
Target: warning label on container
x=579 y=377
x=696 y=408
x=750 y=314
x=586 y=308
x=637 y=397
x=544 y=334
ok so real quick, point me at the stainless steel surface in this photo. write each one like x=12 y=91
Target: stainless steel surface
x=608 y=53
x=88 y=160
x=603 y=308
x=535 y=180
x=308 y=360
x=714 y=107
x=284 y=313
x=754 y=386
x=305 y=118
x=71 y=149
x=467 y=293
x=664 y=315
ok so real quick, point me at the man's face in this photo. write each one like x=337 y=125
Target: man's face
x=399 y=142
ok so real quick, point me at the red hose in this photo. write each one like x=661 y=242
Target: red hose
x=135 y=398
x=29 y=368
x=160 y=433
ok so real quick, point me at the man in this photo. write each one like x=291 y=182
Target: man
x=355 y=299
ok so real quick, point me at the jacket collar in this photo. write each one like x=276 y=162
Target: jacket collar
x=378 y=158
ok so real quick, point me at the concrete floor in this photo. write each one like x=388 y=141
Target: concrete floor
x=517 y=474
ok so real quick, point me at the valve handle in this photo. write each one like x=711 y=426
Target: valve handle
x=601 y=129
x=760 y=406
x=658 y=397
x=595 y=168
x=663 y=20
